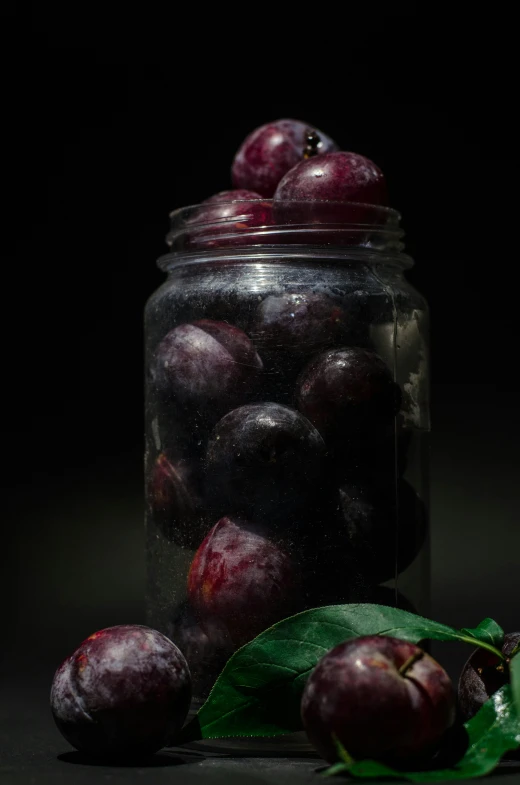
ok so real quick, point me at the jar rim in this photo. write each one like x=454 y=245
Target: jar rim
x=257 y=222
x=383 y=209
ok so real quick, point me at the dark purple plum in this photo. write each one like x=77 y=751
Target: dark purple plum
x=270 y=151
x=483 y=674
x=383 y=698
x=241 y=582
x=403 y=442
x=229 y=204
x=340 y=177
x=206 y=651
x=371 y=456
x=175 y=501
x=329 y=578
x=219 y=220
x=354 y=544
x=265 y=461
x=343 y=192
x=347 y=391
x=367 y=532
x=122 y=694
x=208 y=366
x=298 y=323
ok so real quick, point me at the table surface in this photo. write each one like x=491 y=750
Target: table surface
x=32 y=752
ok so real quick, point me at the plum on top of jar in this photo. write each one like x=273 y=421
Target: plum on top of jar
x=336 y=177
x=228 y=205
x=287 y=172
x=272 y=150
x=216 y=221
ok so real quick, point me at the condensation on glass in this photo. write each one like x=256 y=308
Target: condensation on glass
x=287 y=422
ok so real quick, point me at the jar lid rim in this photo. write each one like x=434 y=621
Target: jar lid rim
x=254 y=222
x=179 y=212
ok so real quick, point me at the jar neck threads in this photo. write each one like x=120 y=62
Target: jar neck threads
x=252 y=223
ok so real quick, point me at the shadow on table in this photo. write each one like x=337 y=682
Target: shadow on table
x=232 y=752
x=506 y=767
x=158 y=760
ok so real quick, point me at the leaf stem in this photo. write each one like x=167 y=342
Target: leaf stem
x=483 y=645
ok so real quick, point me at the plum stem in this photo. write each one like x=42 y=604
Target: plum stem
x=405 y=667
x=312 y=142
x=344 y=756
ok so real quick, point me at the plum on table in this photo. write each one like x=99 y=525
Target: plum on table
x=483 y=674
x=383 y=698
x=122 y=694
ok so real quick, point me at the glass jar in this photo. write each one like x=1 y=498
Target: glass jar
x=286 y=424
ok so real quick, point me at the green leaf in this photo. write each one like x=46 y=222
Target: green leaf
x=514 y=673
x=259 y=691
x=492 y=732
x=487 y=631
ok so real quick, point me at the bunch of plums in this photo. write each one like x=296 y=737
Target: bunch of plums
x=284 y=480
x=386 y=699
x=285 y=173
x=125 y=692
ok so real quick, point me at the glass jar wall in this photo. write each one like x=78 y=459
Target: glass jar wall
x=286 y=429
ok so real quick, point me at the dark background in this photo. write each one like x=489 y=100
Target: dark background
x=114 y=117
